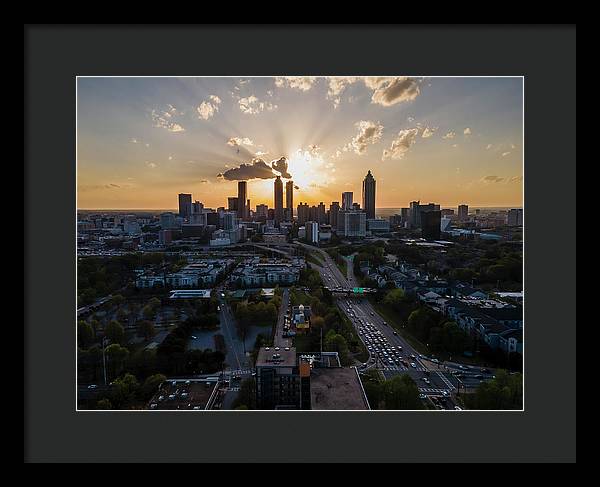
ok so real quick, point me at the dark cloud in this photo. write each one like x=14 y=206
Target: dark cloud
x=257 y=169
x=296 y=187
x=281 y=166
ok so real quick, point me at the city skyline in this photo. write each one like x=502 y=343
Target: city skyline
x=448 y=140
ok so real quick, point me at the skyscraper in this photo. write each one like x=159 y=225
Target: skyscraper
x=278 y=199
x=302 y=213
x=431 y=224
x=368 y=195
x=334 y=210
x=242 y=198
x=185 y=205
x=463 y=212
x=321 y=213
x=347 y=198
x=289 y=197
x=232 y=203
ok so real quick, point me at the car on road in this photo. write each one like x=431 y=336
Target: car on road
x=413 y=365
x=395 y=332
x=426 y=380
x=445 y=393
x=92 y=386
x=193 y=337
x=422 y=396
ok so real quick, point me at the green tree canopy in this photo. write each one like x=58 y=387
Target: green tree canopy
x=85 y=334
x=115 y=332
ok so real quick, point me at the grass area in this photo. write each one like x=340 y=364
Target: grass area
x=313 y=258
x=363 y=354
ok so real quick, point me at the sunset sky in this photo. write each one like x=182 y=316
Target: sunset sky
x=141 y=141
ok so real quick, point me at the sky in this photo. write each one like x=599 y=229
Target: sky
x=141 y=141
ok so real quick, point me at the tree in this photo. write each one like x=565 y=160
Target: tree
x=116 y=356
x=335 y=342
x=246 y=398
x=151 y=385
x=395 y=298
x=115 y=332
x=125 y=390
x=146 y=329
x=85 y=334
x=117 y=300
x=104 y=404
x=504 y=392
x=401 y=392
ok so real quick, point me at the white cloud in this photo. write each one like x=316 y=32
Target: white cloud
x=207 y=109
x=336 y=87
x=133 y=140
x=504 y=154
x=401 y=144
x=162 y=119
x=449 y=135
x=388 y=91
x=237 y=141
x=467 y=131
x=251 y=105
x=302 y=83
x=368 y=133
x=454 y=146
x=406 y=138
x=488 y=147
x=428 y=132
x=151 y=165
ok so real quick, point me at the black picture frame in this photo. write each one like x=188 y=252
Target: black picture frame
x=53 y=57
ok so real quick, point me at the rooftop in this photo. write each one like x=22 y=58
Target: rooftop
x=276 y=357
x=336 y=388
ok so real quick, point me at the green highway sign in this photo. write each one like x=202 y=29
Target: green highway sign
x=358 y=290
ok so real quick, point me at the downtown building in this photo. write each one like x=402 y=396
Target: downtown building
x=352 y=224
x=368 y=195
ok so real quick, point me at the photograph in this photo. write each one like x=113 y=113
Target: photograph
x=299 y=243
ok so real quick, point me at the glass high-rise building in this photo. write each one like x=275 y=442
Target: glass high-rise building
x=278 y=199
x=242 y=198
x=368 y=195
x=185 y=205
x=347 y=198
x=289 y=197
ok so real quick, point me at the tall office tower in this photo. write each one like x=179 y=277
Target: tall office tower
x=197 y=207
x=185 y=205
x=242 y=198
x=289 y=196
x=404 y=215
x=463 y=212
x=230 y=221
x=232 y=203
x=347 y=200
x=321 y=217
x=368 y=195
x=248 y=209
x=312 y=213
x=447 y=212
x=431 y=224
x=312 y=231
x=262 y=212
x=515 y=217
x=303 y=213
x=334 y=210
x=415 y=216
x=278 y=199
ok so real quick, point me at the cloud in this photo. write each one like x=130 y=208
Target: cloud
x=488 y=147
x=401 y=144
x=388 y=91
x=368 y=133
x=281 y=166
x=162 y=119
x=405 y=139
x=337 y=85
x=467 y=131
x=302 y=83
x=237 y=141
x=93 y=187
x=207 y=109
x=151 y=165
x=428 y=132
x=133 y=140
x=454 y=146
x=296 y=187
x=504 y=154
x=516 y=179
x=449 y=135
x=204 y=181
x=492 y=179
x=256 y=169
x=251 y=105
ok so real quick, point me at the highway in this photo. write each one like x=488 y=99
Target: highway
x=280 y=340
